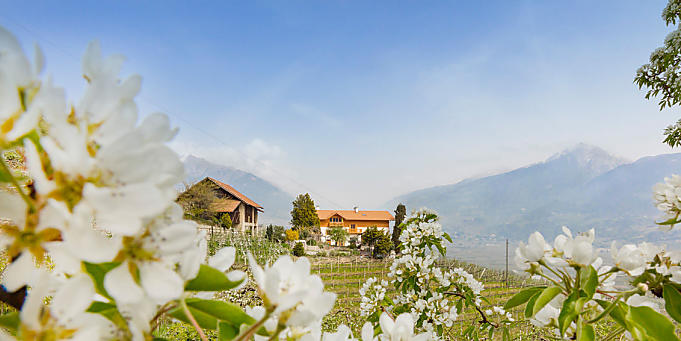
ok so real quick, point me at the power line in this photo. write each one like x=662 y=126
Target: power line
x=181 y=118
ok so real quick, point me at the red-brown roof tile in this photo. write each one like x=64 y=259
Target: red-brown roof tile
x=235 y=193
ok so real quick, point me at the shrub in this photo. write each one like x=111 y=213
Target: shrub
x=299 y=250
x=353 y=243
x=291 y=235
x=338 y=235
x=225 y=221
x=383 y=246
x=370 y=236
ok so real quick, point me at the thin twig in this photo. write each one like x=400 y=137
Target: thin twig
x=191 y=318
x=16 y=184
x=482 y=314
x=162 y=311
x=254 y=328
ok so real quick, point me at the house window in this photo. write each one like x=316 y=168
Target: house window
x=352 y=226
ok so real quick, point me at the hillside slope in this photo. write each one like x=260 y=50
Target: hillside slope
x=582 y=187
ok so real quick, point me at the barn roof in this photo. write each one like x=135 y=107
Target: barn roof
x=235 y=193
x=225 y=205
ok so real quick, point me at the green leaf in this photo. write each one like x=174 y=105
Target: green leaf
x=545 y=297
x=589 y=280
x=568 y=313
x=97 y=272
x=530 y=305
x=442 y=250
x=447 y=237
x=585 y=332
x=227 y=331
x=522 y=297
x=617 y=312
x=207 y=313
x=109 y=311
x=10 y=321
x=222 y=310
x=672 y=300
x=211 y=279
x=98 y=307
x=204 y=320
x=5 y=175
x=656 y=325
x=671 y=221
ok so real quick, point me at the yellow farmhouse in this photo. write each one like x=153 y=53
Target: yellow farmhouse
x=354 y=221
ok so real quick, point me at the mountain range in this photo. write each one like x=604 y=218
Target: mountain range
x=276 y=202
x=583 y=187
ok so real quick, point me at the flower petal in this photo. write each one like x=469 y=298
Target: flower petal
x=120 y=284
x=161 y=283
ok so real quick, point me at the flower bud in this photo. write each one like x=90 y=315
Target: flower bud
x=643 y=287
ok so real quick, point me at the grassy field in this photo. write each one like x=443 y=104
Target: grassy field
x=346 y=274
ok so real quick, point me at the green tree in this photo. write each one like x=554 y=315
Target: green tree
x=196 y=202
x=278 y=233
x=269 y=232
x=225 y=221
x=304 y=216
x=400 y=214
x=383 y=245
x=662 y=75
x=338 y=235
x=299 y=250
x=370 y=236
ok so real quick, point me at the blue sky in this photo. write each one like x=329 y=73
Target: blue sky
x=358 y=102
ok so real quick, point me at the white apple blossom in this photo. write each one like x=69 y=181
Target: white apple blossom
x=667 y=198
x=535 y=251
x=66 y=317
x=579 y=249
x=629 y=258
x=647 y=300
x=401 y=329
x=17 y=73
x=288 y=286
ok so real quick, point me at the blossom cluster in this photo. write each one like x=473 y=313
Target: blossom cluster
x=574 y=266
x=372 y=293
x=667 y=198
x=431 y=294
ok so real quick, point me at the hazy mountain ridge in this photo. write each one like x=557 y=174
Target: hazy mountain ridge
x=581 y=187
x=275 y=201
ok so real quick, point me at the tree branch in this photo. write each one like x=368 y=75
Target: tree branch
x=482 y=314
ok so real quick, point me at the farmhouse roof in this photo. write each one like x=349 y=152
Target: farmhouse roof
x=225 y=205
x=235 y=193
x=352 y=215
